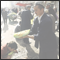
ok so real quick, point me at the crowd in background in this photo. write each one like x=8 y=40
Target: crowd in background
x=26 y=15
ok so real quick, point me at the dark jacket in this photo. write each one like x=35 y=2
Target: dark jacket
x=26 y=19
x=51 y=11
x=4 y=14
x=43 y=33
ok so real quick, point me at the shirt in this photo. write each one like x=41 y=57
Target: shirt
x=39 y=18
x=4 y=50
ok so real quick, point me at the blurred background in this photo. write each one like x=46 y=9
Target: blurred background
x=7 y=30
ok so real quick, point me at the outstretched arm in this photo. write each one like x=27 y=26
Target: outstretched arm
x=28 y=36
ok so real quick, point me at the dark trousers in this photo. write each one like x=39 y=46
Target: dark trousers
x=48 y=54
x=26 y=40
x=5 y=20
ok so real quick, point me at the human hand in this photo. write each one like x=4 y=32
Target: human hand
x=24 y=37
x=15 y=51
x=27 y=36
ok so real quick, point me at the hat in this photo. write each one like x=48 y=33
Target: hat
x=49 y=4
x=41 y=3
x=28 y=6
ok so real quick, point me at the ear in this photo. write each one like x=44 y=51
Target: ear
x=42 y=9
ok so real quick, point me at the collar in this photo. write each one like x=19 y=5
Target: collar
x=39 y=18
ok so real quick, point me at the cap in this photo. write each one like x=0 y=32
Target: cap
x=28 y=6
x=41 y=3
x=49 y=4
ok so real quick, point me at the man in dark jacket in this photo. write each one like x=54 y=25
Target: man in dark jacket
x=51 y=10
x=43 y=34
x=26 y=17
x=4 y=15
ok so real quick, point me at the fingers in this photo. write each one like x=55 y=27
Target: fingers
x=24 y=37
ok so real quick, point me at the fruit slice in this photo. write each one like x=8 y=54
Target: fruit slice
x=22 y=33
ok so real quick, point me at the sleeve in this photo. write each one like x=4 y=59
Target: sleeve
x=20 y=13
x=34 y=28
x=35 y=36
x=30 y=15
x=45 y=28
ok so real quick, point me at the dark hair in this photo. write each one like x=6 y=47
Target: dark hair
x=48 y=4
x=39 y=5
x=12 y=44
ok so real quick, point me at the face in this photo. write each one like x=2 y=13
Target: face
x=10 y=49
x=29 y=8
x=38 y=11
x=47 y=6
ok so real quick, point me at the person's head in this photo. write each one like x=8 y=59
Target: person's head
x=51 y=11
x=12 y=46
x=48 y=5
x=39 y=8
x=28 y=7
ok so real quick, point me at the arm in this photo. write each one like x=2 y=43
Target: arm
x=34 y=27
x=30 y=36
x=33 y=31
x=30 y=16
x=7 y=57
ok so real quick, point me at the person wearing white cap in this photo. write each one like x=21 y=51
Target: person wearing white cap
x=26 y=17
x=42 y=33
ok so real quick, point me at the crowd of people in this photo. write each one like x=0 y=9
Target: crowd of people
x=6 y=11
x=7 y=48
x=42 y=30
